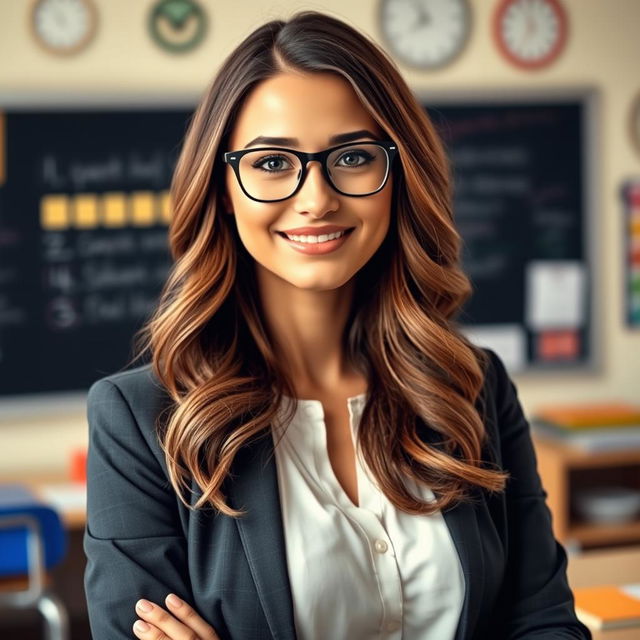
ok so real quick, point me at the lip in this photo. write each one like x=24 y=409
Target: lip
x=320 y=248
x=314 y=231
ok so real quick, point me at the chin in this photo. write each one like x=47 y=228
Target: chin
x=319 y=284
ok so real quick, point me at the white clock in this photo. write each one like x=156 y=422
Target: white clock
x=427 y=34
x=530 y=33
x=64 y=26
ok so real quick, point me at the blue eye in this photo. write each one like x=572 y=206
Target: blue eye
x=273 y=164
x=355 y=154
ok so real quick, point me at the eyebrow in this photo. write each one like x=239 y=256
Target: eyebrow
x=292 y=142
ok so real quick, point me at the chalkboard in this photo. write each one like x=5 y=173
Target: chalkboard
x=523 y=193
x=84 y=211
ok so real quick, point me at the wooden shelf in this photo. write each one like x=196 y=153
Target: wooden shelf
x=564 y=469
x=574 y=457
x=588 y=534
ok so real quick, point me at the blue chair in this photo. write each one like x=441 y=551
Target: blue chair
x=32 y=541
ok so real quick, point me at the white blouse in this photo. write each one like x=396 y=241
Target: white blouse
x=363 y=572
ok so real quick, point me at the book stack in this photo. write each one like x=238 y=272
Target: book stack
x=590 y=427
x=609 y=606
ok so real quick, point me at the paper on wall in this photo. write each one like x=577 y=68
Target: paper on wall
x=507 y=340
x=555 y=294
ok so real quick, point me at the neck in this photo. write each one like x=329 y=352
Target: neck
x=307 y=328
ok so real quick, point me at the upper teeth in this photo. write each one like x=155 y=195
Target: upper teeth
x=314 y=239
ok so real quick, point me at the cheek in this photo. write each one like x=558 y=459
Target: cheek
x=254 y=220
x=255 y=229
x=376 y=215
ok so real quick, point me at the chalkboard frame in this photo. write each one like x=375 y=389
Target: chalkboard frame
x=589 y=98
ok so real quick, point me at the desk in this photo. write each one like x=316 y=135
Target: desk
x=631 y=633
x=606 y=566
x=69 y=498
x=67 y=578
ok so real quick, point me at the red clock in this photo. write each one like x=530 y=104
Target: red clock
x=530 y=33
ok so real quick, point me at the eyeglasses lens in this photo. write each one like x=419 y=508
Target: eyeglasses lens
x=273 y=174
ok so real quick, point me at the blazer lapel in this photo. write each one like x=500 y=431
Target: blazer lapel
x=462 y=523
x=463 y=526
x=255 y=489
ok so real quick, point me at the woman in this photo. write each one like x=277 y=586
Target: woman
x=315 y=450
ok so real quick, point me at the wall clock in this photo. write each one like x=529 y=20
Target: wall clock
x=530 y=33
x=177 y=25
x=64 y=27
x=425 y=34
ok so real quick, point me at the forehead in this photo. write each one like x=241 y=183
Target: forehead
x=311 y=107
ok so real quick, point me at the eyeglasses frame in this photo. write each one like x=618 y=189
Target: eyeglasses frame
x=233 y=159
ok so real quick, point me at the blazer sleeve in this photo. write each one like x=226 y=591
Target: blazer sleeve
x=133 y=540
x=537 y=600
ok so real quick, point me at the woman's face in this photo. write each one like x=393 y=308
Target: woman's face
x=310 y=109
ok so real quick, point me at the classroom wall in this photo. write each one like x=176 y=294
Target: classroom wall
x=602 y=52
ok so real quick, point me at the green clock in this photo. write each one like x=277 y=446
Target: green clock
x=177 y=25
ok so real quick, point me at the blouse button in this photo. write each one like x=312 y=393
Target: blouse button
x=392 y=626
x=380 y=546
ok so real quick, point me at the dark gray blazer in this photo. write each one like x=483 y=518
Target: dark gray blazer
x=141 y=541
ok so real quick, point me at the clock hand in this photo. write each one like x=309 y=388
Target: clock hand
x=423 y=15
x=529 y=30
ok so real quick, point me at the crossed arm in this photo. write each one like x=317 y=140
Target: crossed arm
x=133 y=541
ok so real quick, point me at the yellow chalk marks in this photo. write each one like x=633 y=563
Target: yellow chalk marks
x=143 y=209
x=112 y=210
x=166 y=207
x=55 y=212
x=85 y=211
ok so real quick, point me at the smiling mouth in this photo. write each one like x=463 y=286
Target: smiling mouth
x=313 y=239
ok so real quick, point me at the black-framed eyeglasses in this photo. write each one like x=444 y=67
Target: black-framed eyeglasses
x=271 y=174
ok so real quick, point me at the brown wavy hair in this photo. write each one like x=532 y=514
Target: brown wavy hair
x=209 y=345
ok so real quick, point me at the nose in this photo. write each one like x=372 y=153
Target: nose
x=316 y=196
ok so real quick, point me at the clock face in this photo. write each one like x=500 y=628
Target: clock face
x=530 y=33
x=425 y=33
x=64 y=26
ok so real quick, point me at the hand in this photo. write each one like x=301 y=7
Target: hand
x=182 y=623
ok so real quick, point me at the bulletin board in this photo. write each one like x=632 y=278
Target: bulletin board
x=525 y=185
x=84 y=211
x=630 y=193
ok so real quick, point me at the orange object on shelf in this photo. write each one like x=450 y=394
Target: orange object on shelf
x=78 y=465
x=593 y=414
x=607 y=606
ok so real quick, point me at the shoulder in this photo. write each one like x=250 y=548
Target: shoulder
x=135 y=385
x=502 y=413
x=132 y=381
x=496 y=376
x=127 y=473
x=134 y=395
x=508 y=427
x=498 y=389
